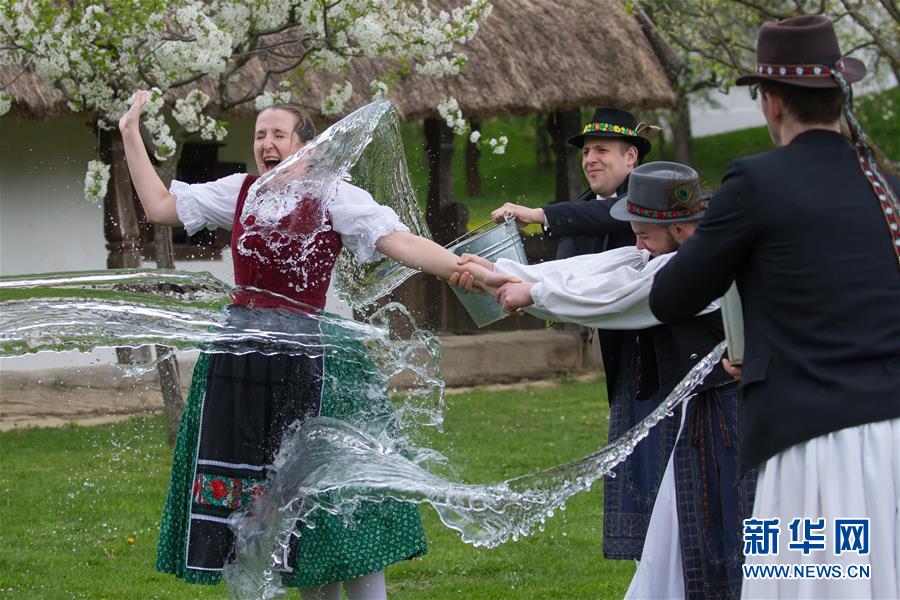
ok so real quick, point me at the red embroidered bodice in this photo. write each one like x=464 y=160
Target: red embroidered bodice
x=280 y=263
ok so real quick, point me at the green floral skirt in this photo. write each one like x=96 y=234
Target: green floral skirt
x=381 y=534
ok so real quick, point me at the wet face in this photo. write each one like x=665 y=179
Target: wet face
x=274 y=138
x=606 y=163
x=656 y=238
x=661 y=238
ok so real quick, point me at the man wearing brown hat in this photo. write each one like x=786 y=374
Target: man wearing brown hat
x=693 y=546
x=809 y=232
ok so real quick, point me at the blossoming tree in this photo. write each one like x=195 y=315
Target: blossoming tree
x=95 y=53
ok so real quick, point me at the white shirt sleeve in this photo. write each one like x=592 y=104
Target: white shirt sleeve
x=585 y=264
x=360 y=221
x=207 y=205
x=610 y=290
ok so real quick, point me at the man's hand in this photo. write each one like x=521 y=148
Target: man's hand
x=131 y=120
x=734 y=370
x=522 y=214
x=515 y=296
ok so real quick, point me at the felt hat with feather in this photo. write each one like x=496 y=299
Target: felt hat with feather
x=661 y=192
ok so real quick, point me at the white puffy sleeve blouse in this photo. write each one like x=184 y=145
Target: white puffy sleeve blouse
x=355 y=216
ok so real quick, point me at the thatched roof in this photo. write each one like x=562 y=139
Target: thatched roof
x=529 y=56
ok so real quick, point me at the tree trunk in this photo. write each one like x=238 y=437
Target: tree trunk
x=569 y=176
x=123 y=243
x=167 y=368
x=473 y=169
x=446 y=219
x=682 y=139
x=120 y=225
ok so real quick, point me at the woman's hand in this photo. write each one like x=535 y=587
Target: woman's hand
x=474 y=277
x=474 y=258
x=465 y=279
x=131 y=120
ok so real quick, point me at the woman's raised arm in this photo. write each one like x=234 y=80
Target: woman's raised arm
x=158 y=203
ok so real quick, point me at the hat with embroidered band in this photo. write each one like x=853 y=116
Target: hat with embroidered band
x=801 y=51
x=614 y=123
x=661 y=192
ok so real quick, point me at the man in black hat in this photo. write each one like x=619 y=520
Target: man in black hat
x=701 y=556
x=809 y=232
x=612 y=146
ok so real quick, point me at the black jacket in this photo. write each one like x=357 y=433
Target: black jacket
x=802 y=232
x=584 y=226
x=678 y=347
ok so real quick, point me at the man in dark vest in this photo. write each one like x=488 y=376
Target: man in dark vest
x=612 y=146
x=809 y=231
x=701 y=557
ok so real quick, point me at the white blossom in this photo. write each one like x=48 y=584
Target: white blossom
x=96 y=52
x=267 y=99
x=155 y=122
x=443 y=66
x=95 y=181
x=337 y=97
x=474 y=136
x=378 y=89
x=498 y=145
x=5 y=102
x=452 y=115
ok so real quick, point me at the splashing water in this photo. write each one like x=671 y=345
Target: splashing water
x=333 y=466
x=187 y=311
x=366 y=148
x=324 y=464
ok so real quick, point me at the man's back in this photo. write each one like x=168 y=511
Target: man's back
x=801 y=228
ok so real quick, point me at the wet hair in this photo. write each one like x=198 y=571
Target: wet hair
x=304 y=127
x=810 y=106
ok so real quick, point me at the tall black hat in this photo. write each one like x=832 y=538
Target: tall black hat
x=614 y=123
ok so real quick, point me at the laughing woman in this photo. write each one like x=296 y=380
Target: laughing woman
x=240 y=405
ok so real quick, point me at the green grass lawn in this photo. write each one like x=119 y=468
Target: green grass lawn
x=517 y=177
x=81 y=505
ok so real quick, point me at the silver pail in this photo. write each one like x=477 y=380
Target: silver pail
x=491 y=242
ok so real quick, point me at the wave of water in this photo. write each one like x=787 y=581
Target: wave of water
x=334 y=466
x=190 y=311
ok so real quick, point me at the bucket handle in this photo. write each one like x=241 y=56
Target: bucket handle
x=485 y=225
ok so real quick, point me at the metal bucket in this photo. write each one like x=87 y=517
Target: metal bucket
x=491 y=242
